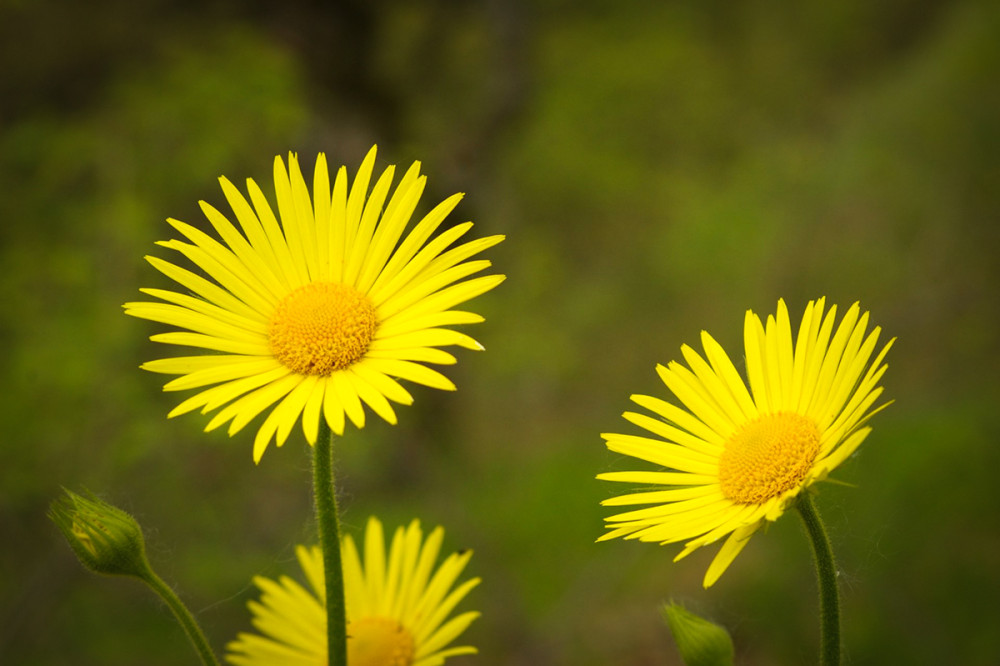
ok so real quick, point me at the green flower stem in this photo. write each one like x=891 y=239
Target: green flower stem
x=183 y=616
x=329 y=539
x=826 y=574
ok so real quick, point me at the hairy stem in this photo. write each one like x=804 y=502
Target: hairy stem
x=329 y=539
x=826 y=575
x=183 y=615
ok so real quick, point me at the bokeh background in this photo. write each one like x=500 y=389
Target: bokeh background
x=658 y=168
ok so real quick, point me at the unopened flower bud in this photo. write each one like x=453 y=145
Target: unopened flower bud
x=105 y=539
x=701 y=643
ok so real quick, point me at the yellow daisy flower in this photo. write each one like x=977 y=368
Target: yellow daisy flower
x=396 y=608
x=320 y=314
x=737 y=456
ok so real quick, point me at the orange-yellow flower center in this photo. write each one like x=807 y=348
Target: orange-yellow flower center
x=379 y=641
x=768 y=457
x=321 y=328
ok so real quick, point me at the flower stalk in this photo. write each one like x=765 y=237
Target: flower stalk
x=328 y=525
x=826 y=575
x=184 y=617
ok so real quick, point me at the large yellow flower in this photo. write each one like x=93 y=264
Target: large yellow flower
x=396 y=608
x=322 y=312
x=736 y=457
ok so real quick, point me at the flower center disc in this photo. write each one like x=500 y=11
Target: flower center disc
x=321 y=328
x=767 y=457
x=378 y=641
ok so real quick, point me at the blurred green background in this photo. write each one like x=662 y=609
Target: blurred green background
x=658 y=169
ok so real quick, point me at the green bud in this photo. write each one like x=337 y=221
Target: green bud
x=105 y=539
x=701 y=643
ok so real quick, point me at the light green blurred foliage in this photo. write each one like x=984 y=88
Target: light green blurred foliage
x=658 y=169
x=100 y=186
x=84 y=196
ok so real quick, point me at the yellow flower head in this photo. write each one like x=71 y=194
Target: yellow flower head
x=320 y=313
x=736 y=457
x=397 y=606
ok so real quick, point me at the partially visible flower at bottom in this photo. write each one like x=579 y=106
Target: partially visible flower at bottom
x=397 y=604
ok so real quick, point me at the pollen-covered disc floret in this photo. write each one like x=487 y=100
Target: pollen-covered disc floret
x=767 y=457
x=734 y=454
x=322 y=327
x=317 y=309
x=398 y=605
